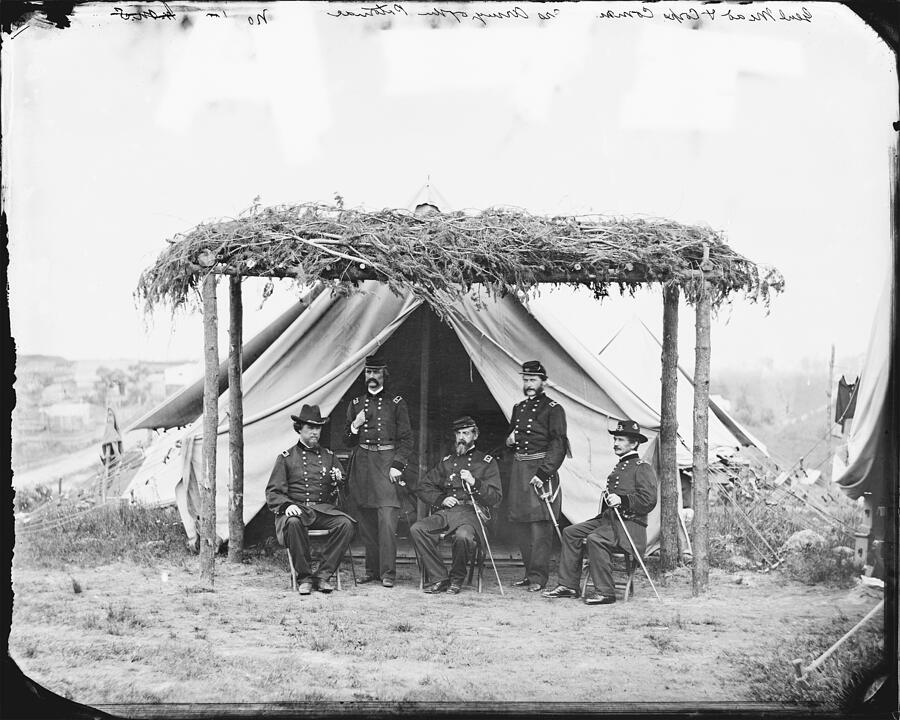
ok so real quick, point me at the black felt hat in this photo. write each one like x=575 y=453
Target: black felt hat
x=310 y=415
x=629 y=428
x=463 y=422
x=533 y=367
x=375 y=362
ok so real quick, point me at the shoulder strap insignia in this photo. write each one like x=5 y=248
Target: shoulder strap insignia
x=553 y=403
x=447 y=457
x=488 y=458
x=397 y=399
x=356 y=401
x=286 y=453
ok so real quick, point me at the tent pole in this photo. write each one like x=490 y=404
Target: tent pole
x=210 y=424
x=668 y=488
x=235 y=422
x=424 y=376
x=700 y=524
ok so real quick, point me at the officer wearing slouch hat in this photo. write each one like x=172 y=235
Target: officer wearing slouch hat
x=301 y=493
x=631 y=487
x=537 y=432
x=380 y=434
x=451 y=486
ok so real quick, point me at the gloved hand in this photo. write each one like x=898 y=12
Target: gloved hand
x=292 y=511
x=359 y=420
x=613 y=500
x=395 y=474
x=449 y=502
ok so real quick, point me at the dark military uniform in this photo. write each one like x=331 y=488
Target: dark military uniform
x=304 y=477
x=634 y=481
x=444 y=481
x=540 y=447
x=383 y=442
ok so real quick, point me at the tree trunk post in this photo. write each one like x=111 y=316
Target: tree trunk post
x=700 y=525
x=829 y=409
x=424 y=382
x=207 y=478
x=668 y=434
x=235 y=423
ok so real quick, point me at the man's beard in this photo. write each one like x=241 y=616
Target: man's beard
x=529 y=391
x=312 y=443
x=462 y=448
x=373 y=384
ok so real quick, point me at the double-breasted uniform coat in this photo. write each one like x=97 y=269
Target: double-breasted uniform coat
x=634 y=481
x=444 y=481
x=305 y=477
x=384 y=441
x=540 y=447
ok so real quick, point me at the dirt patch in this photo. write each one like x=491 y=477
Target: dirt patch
x=138 y=634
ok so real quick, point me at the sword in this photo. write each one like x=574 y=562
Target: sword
x=487 y=545
x=637 y=555
x=545 y=496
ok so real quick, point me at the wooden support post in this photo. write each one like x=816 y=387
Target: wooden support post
x=424 y=379
x=700 y=525
x=668 y=434
x=208 y=545
x=235 y=423
x=829 y=409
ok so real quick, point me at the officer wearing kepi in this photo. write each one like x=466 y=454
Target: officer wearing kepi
x=631 y=487
x=451 y=486
x=379 y=432
x=537 y=431
x=301 y=493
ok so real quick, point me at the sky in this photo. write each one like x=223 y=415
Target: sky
x=120 y=132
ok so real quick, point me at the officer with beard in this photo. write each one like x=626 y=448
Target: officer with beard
x=380 y=434
x=537 y=432
x=301 y=492
x=447 y=486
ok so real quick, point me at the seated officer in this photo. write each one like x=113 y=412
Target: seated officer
x=631 y=487
x=451 y=486
x=301 y=492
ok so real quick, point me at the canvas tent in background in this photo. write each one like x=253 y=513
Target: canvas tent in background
x=872 y=468
x=469 y=364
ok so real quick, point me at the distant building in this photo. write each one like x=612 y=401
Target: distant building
x=58 y=392
x=157 y=385
x=177 y=376
x=68 y=416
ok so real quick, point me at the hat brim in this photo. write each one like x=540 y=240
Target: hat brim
x=536 y=374
x=640 y=437
x=299 y=421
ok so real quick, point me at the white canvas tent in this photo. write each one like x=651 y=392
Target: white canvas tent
x=474 y=361
x=872 y=468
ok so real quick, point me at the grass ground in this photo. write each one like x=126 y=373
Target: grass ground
x=135 y=626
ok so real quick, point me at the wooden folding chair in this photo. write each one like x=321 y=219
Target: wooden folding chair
x=321 y=534
x=622 y=562
x=476 y=563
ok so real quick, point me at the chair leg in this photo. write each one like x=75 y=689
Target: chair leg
x=471 y=573
x=293 y=572
x=585 y=573
x=352 y=565
x=630 y=566
x=480 y=571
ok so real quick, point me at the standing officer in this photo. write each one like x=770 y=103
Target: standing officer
x=631 y=486
x=301 y=491
x=378 y=426
x=447 y=487
x=537 y=431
